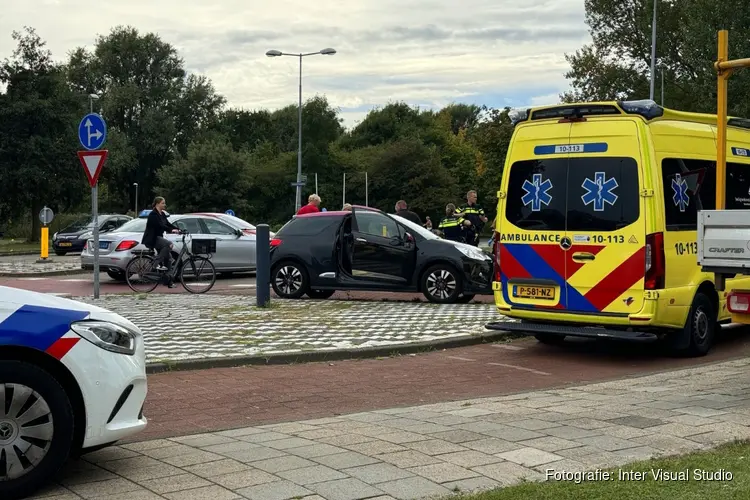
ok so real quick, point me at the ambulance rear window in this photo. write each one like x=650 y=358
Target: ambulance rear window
x=576 y=194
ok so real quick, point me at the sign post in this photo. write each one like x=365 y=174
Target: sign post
x=46 y=215
x=92 y=133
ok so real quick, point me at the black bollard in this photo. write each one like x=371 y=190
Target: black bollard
x=262 y=263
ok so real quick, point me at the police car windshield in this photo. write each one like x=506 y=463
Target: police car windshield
x=424 y=233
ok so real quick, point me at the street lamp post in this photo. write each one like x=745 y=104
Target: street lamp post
x=135 y=208
x=653 y=52
x=277 y=53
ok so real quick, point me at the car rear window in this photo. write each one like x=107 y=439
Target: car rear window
x=307 y=226
x=576 y=194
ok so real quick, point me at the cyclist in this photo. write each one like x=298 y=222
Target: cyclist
x=153 y=236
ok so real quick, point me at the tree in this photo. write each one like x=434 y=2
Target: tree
x=38 y=132
x=148 y=96
x=210 y=177
x=617 y=64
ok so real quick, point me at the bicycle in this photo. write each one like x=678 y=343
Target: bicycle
x=144 y=264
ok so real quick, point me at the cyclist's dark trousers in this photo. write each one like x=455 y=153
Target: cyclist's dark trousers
x=162 y=247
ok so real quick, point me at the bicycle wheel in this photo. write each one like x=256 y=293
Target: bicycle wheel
x=140 y=276
x=200 y=272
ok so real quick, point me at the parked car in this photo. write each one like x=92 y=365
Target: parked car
x=72 y=380
x=366 y=249
x=73 y=237
x=235 y=243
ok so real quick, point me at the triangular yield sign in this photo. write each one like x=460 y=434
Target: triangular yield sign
x=92 y=162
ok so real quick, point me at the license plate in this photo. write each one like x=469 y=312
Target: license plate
x=66 y=244
x=104 y=245
x=534 y=292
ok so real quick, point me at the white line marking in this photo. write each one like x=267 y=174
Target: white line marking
x=241 y=285
x=520 y=368
x=79 y=279
x=508 y=347
x=460 y=358
x=58 y=294
x=32 y=279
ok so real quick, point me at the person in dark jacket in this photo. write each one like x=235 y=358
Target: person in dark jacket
x=454 y=227
x=153 y=236
x=403 y=211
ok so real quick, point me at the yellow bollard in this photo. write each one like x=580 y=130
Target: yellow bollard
x=45 y=242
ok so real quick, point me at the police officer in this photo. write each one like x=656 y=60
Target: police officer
x=473 y=212
x=453 y=226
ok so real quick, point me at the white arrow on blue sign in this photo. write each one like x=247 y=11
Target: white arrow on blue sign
x=92 y=131
x=230 y=212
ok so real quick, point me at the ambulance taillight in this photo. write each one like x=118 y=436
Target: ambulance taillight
x=655 y=261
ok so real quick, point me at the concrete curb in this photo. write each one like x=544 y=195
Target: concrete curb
x=11 y=254
x=44 y=274
x=332 y=355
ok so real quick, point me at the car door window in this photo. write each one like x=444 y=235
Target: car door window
x=218 y=228
x=375 y=224
x=192 y=226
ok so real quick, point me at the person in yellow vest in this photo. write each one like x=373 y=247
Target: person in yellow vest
x=474 y=212
x=453 y=226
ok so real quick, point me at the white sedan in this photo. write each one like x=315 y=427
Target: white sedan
x=72 y=379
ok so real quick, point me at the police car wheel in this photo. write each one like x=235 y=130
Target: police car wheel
x=289 y=280
x=441 y=284
x=36 y=428
x=701 y=326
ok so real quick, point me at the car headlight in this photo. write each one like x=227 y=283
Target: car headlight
x=85 y=236
x=108 y=336
x=54 y=236
x=473 y=252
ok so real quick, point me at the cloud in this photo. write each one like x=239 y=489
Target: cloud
x=427 y=52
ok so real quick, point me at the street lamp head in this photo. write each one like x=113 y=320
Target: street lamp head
x=328 y=52
x=94 y=96
x=135 y=184
x=273 y=53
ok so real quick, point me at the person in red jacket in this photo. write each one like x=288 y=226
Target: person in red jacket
x=313 y=202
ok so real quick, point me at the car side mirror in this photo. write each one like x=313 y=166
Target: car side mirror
x=238 y=232
x=409 y=238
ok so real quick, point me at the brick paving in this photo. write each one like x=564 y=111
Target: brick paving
x=189 y=327
x=431 y=449
x=185 y=402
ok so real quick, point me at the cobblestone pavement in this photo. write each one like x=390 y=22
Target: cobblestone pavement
x=182 y=327
x=435 y=449
x=27 y=265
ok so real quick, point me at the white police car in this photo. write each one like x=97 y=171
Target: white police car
x=72 y=379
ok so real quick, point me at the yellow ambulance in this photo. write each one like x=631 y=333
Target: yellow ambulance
x=596 y=223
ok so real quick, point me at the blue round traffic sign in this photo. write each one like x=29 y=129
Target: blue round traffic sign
x=230 y=212
x=92 y=131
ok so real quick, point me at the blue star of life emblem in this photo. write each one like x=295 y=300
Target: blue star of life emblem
x=537 y=192
x=680 y=189
x=599 y=191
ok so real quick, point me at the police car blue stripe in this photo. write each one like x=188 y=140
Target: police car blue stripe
x=37 y=327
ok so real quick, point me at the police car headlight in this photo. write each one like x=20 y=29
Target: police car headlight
x=106 y=335
x=473 y=252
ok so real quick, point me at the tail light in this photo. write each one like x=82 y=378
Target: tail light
x=738 y=302
x=126 y=245
x=275 y=242
x=655 y=261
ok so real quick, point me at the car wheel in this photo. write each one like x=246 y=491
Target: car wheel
x=700 y=326
x=60 y=252
x=320 y=294
x=289 y=280
x=36 y=428
x=441 y=284
x=116 y=275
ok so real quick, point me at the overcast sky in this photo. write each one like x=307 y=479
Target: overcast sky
x=425 y=52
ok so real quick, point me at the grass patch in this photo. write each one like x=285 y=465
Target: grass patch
x=727 y=461
x=21 y=246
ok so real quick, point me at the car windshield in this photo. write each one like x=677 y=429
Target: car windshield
x=132 y=226
x=237 y=222
x=79 y=225
x=424 y=233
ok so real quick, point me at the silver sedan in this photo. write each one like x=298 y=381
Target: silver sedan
x=235 y=243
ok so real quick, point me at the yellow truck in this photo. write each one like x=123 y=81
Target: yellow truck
x=598 y=212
